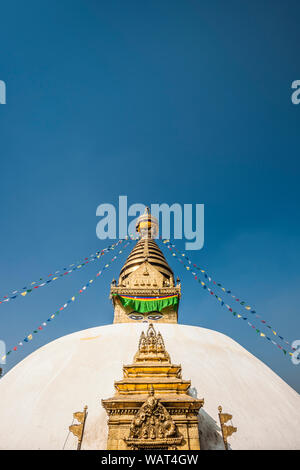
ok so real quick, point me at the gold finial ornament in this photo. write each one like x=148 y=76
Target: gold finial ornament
x=147 y=225
x=226 y=430
x=78 y=429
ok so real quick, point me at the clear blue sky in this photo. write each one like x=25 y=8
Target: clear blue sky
x=183 y=101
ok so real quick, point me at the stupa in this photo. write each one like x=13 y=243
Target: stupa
x=148 y=381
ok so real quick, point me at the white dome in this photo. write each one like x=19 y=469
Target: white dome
x=40 y=394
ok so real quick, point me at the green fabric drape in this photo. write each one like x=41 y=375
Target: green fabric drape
x=149 y=305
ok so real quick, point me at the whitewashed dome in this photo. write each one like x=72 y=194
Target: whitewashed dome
x=40 y=394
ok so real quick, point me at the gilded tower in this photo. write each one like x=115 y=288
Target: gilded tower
x=146 y=289
x=152 y=407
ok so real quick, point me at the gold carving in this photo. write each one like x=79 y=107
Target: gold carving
x=151 y=347
x=152 y=426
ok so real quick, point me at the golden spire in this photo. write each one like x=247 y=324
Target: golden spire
x=146 y=249
x=147 y=225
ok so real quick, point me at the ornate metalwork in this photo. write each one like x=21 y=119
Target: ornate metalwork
x=147 y=225
x=153 y=426
x=167 y=420
x=151 y=344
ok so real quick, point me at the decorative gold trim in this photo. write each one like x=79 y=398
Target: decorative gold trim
x=148 y=291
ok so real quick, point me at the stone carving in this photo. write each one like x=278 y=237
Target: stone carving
x=152 y=425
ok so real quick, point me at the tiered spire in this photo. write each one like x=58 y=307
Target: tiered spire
x=146 y=289
x=152 y=407
x=146 y=250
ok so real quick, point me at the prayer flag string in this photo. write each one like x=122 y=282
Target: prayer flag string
x=57 y=275
x=178 y=255
x=72 y=299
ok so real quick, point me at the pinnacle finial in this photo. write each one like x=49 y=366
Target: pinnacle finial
x=151 y=347
x=147 y=225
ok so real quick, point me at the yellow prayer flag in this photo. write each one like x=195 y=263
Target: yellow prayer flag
x=29 y=337
x=23 y=293
x=262 y=334
x=248 y=308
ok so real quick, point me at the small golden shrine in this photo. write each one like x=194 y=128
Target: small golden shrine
x=151 y=408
